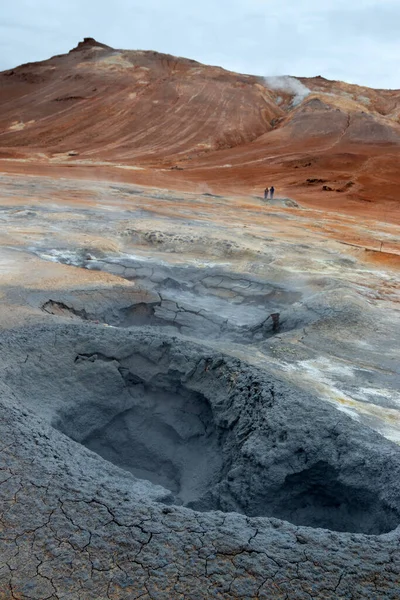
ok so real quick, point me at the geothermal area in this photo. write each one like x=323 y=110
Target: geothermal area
x=199 y=388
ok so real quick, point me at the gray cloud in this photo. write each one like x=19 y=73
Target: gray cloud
x=377 y=21
x=354 y=41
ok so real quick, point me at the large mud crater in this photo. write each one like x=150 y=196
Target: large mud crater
x=167 y=435
x=214 y=432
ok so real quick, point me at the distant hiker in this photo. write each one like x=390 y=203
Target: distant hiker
x=266 y=193
x=271 y=191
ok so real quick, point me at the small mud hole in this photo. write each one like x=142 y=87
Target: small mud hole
x=61 y=309
x=134 y=315
x=317 y=497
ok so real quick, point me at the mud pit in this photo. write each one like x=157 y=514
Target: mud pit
x=167 y=435
x=214 y=432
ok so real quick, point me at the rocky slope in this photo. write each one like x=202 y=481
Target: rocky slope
x=176 y=123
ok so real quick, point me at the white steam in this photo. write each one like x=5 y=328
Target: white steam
x=290 y=85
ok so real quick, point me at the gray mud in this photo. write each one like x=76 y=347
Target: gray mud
x=140 y=458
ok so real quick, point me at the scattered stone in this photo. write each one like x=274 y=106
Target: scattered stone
x=315 y=180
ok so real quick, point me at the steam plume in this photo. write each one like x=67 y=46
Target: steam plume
x=290 y=85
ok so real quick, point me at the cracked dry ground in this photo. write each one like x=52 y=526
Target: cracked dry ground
x=161 y=437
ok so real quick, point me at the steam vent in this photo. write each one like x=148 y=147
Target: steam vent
x=199 y=387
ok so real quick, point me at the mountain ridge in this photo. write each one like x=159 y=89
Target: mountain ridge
x=181 y=124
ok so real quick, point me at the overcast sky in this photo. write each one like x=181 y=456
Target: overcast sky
x=353 y=40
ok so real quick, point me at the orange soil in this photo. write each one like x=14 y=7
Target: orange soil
x=103 y=113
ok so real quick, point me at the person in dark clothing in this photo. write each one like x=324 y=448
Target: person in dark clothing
x=266 y=193
x=271 y=191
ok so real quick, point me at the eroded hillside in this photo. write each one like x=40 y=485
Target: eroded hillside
x=154 y=119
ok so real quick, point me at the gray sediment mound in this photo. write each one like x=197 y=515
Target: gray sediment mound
x=215 y=433
x=138 y=465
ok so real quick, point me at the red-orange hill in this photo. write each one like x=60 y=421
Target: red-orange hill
x=192 y=126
